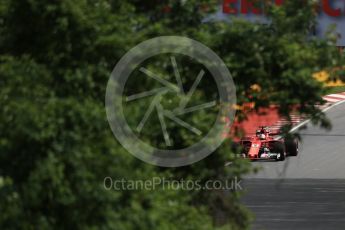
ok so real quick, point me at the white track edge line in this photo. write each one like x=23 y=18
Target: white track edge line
x=308 y=120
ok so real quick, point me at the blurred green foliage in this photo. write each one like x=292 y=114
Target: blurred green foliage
x=56 y=147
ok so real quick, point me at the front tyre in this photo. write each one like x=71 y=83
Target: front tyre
x=291 y=147
x=279 y=148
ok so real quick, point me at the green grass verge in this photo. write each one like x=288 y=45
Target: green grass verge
x=335 y=89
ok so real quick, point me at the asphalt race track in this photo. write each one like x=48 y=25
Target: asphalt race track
x=304 y=192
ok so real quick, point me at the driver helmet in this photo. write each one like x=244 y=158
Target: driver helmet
x=262 y=136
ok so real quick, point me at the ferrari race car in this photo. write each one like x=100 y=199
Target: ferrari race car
x=263 y=146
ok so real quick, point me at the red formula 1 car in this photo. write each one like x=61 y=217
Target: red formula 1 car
x=263 y=146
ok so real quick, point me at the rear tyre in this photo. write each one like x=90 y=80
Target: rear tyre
x=278 y=148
